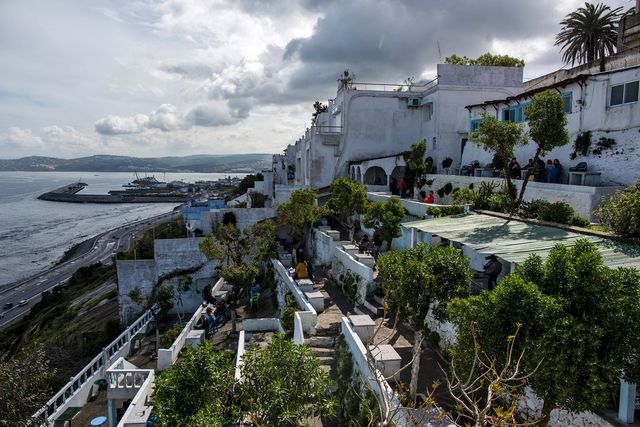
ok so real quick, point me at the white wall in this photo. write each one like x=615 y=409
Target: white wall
x=590 y=112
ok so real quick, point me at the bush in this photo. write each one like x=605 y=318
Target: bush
x=435 y=212
x=559 y=212
x=452 y=210
x=533 y=209
x=229 y=218
x=464 y=195
x=621 y=213
x=578 y=221
x=500 y=203
x=170 y=336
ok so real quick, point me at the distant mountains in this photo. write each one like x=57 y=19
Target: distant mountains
x=105 y=163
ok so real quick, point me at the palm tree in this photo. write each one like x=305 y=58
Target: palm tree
x=589 y=33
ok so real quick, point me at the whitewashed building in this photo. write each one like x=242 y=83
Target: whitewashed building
x=371 y=120
x=605 y=104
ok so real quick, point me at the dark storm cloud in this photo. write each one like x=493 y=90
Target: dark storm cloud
x=396 y=39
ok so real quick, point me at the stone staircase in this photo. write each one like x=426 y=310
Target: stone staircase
x=373 y=306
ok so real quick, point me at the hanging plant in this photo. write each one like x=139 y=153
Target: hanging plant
x=581 y=145
x=448 y=188
x=447 y=162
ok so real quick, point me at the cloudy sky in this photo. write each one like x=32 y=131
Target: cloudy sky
x=178 y=77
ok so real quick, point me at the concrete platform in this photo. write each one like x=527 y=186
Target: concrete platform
x=363 y=326
x=316 y=299
x=388 y=361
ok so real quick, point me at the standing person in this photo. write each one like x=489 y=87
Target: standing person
x=514 y=168
x=402 y=188
x=555 y=172
x=430 y=198
x=492 y=270
x=301 y=270
x=393 y=186
x=539 y=171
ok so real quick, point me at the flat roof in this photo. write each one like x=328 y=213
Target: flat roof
x=514 y=240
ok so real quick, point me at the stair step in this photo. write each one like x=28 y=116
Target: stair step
x=321 y=341
x=323 y=352
x=326 y=360
x=326 y=368
x=374 y=307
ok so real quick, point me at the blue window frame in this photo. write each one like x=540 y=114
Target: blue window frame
x=516 y=113
x=474 y=124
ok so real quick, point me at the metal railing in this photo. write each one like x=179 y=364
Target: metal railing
x=393 y=87
x=97 y=364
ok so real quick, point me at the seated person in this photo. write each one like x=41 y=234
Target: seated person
x=301 y=271
x=363 y=244
x=430 y=198
x=492 y=270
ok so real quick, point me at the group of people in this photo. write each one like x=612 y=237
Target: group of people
x=369 y=246
x=216 y=314
x=551 y=173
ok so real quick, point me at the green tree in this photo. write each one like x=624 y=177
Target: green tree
x=420 y=279
x=318 y=107
x=284 y=384
x=385 y=218
x=25 y=386
x=621 y=213
x=417 y=165
x=199 y=386
x=240 y=252
x=547 y=127
x=486 y=59
x=500 y=137
x=580 y=324
x=589 y=33
x=299 y=213
x=348 y=198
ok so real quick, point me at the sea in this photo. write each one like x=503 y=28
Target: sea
x=34 y=234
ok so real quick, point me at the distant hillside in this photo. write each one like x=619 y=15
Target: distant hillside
x=104 y=163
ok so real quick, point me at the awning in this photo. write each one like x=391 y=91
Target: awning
x=514 y=241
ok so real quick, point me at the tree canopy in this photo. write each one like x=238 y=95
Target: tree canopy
x=347 y=199
x=417 y=164
x=547 y=127
x=580 y=323
x=384 y=218
x=25 y=385
x=284 y=384
x=589 y=33
x=500 y=137
x=420 y=279
x=299 y=213
x=486 y=59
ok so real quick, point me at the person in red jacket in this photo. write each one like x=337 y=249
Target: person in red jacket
x=430 y=198
x=402 y=187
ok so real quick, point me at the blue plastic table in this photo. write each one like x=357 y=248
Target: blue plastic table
x=98 y=421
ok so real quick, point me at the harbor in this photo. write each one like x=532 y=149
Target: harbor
x=143 y=190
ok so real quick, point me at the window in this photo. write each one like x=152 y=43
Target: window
x=515 y=114
x=474 y=124
x=567 y=99
x=428 y=111
x=624 y=93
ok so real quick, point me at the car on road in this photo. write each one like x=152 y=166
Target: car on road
x=7 y=306
x=23 y=302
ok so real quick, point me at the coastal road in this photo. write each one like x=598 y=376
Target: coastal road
x=100 y=248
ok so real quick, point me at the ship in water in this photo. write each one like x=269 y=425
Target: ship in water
x=145 y=182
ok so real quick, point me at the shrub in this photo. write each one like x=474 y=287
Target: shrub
x=500 y=203
x=170 y=336
x=229 y=218
x=464 y=195
x=452 y=210
x=533 y=209
x=435 y=212
x=559 y=212
x=581 y=145
x=578 y=221
x=621 y=213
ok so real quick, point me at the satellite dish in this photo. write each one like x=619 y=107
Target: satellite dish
x=190 y=226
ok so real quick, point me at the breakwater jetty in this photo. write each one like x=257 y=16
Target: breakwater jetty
x=69 y=194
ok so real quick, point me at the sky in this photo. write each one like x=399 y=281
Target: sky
x=178 y=77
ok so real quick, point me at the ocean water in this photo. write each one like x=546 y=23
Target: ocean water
x=34 y=234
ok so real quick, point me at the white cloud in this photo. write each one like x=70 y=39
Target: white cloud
x=116 y=125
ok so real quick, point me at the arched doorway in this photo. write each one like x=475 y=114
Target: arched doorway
x=375 y=175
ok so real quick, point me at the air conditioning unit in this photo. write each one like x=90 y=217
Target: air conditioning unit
x=413 y=102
